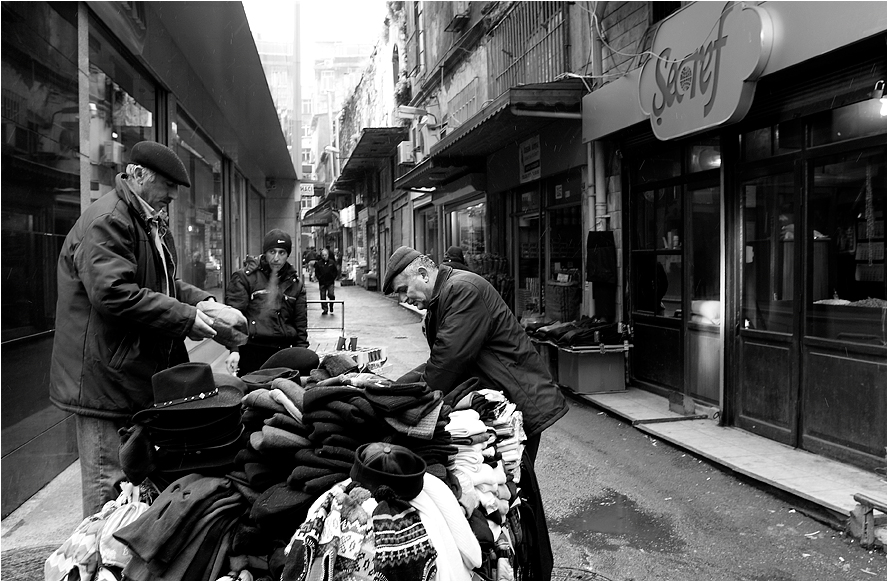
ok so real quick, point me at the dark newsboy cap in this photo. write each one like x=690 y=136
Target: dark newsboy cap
x=161 y=159
x=397 y=262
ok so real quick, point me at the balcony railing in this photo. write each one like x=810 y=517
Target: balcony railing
x=528 y=46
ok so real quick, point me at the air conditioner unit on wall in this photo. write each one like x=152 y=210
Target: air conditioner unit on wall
x=405 y=152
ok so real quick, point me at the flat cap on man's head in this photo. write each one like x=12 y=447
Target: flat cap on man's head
x=161 y=159
x=397 y=262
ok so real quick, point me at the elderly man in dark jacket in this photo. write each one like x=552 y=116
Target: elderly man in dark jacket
x=121 y=311
x=472 y=333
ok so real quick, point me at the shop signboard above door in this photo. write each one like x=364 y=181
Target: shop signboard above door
x=703 y=70
x=529 y=159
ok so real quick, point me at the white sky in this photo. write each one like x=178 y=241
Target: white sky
x=358 y=21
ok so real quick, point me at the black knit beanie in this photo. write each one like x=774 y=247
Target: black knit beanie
x=277 y=238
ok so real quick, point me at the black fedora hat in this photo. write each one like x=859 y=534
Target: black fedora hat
x=212 y=421
x=190 y=387
x=200 y=458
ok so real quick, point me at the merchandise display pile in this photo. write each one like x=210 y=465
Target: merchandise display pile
x=341 y=474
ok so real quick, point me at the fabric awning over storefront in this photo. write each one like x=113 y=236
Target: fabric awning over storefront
x=375 y=144
x=519 y=112
x=319 y=216
x=501 y=122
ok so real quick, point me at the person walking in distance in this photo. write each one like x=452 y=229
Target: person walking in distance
x=121 y=312
x=326 y=273
x=273 y=299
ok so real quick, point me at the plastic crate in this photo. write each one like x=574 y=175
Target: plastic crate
x=592 y=372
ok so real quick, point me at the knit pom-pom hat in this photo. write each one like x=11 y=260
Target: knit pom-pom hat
x=402 y=551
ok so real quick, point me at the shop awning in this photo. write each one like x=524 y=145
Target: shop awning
x=499 y=124
x=319 y=216
x=375 y=144
x=502 y=122
x=433 y=172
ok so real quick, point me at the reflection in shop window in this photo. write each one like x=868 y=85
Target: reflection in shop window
x=847 y=234
x=121 y=103
x=196 y=217
x=41 y=172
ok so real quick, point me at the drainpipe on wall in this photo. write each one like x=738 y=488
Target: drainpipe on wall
x=601 y=208
x=596 y=202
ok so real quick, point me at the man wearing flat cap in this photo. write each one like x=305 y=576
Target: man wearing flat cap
x=121 y=312
x=472 y=333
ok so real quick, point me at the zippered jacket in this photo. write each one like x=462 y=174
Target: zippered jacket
x=472 y=333
x=272 y=319
x=115 y=326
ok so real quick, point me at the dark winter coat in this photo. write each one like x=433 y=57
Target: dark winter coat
x=472 y=333
x=326 y=272
x=278 y=321
x=115 y=328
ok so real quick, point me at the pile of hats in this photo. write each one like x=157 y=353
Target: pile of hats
x=194 y=425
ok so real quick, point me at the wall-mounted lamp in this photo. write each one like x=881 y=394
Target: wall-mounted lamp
x=878 y=94
x=332 y=149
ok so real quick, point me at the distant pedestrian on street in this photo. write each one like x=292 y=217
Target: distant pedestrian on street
x=454 y=259
x=311 y=258
x=326 y=273
x=122 y=314
x=273 y=299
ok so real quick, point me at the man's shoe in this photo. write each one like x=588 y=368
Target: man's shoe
x=324 y=313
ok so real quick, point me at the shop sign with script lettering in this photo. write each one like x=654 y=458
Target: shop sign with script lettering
x=703 y=70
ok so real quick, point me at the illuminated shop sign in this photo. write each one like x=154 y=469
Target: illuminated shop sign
x=703 y=70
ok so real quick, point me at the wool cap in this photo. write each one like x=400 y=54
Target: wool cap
x=276 y=238
x=386 y=464
x=455 y=254
x=397 y=262
x=296 y=358
x=161 y=159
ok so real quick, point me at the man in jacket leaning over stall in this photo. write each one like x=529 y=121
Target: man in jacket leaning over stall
x=472 y=333
x=121 y=311
x=273 y=299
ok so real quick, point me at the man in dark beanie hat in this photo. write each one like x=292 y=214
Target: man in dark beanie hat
x=272 y=297
x=122 y=312
x=472 y=333
x=454 y=259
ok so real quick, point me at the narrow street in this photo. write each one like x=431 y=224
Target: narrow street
x=623 y=506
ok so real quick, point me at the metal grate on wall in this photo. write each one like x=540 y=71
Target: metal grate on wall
x=528 y=45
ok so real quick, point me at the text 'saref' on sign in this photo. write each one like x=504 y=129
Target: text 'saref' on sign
x=703 y=70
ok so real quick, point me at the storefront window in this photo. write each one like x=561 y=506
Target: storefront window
x=705 y=264
x=41 y=167
x=782 y=138
x=657 y=252
x=529 y=293
x=196 y=217
x=122 y=102
x=426 y=232
x=847 y=231
x=565 y=244
x=852 y=121
x=769 y=239
x=468 y=229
